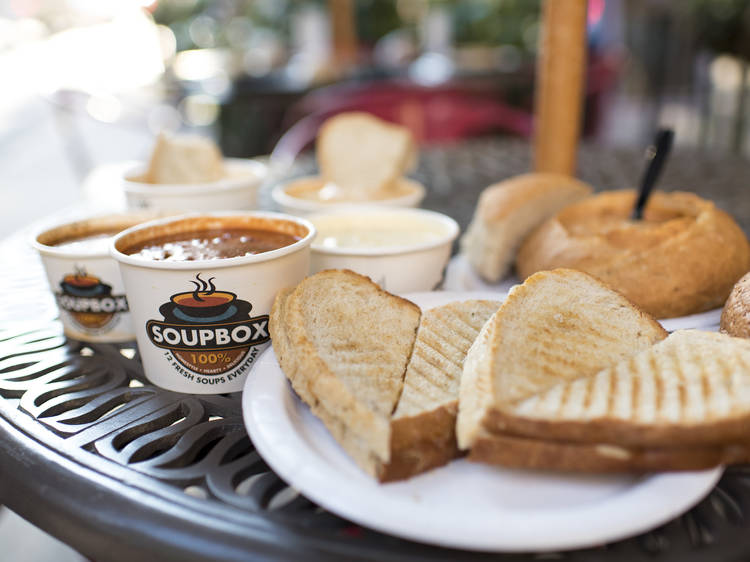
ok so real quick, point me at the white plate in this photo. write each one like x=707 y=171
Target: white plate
x=460 y=276
x=462 y=505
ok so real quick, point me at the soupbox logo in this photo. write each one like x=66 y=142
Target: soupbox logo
x=209 y=332
x=89 y=301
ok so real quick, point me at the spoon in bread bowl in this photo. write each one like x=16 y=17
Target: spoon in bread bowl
x=656 y=156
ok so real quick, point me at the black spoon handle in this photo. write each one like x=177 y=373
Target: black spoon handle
x=656 y=155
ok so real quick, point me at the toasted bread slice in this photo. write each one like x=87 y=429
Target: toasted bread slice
x=522 y=452
x=344 y=344
x=558 y=326
x=506 y=214
x=691 y=389
x=182 y=159
x=423 y=432
x=279 y=329
x=363 y=154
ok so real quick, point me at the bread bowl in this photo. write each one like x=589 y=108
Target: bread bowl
x=682 y=258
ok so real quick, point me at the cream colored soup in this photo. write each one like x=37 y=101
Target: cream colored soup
x=363 y=231
x=315 y=189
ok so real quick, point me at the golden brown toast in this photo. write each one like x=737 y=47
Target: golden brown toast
x=691 y=389
x=344 y=344
x=524 y=452
x=423 y=425
x=558 y=326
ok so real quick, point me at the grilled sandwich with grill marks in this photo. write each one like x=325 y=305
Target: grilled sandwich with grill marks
x=559 y=325
x=683 y=404
x=331 y=335
x=344 y=343
x=423 y=432
x=692 y=388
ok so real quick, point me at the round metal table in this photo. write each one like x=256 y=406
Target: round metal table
x=121 y=470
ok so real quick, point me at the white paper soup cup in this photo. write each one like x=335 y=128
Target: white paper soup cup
x=301 y=196
x=200 y=325
x=404 y=250
x=85 y=279
x=238 y=190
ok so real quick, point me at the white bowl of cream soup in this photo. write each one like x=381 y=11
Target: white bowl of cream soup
x=404 y=250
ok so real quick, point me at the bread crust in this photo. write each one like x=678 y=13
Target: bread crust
x=735 y=318
x=683 y=259
x=422 y=442
x=519 y=452
x=623 y=433
x=508 y=211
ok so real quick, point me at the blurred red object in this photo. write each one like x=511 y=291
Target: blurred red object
x=433 y=114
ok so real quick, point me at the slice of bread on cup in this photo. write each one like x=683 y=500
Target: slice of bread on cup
x=184 y=159
x=360 y=153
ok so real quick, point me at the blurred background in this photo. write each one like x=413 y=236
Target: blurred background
x=87 y=83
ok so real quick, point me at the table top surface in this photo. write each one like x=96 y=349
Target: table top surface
x=121 y=470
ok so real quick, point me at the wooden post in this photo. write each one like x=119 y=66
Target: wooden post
x=561 y=66
x=344 y=32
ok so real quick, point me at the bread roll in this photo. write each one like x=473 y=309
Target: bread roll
x=508 y=211
x=735 y=318
x=682 y=258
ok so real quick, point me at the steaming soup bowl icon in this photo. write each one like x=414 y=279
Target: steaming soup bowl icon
x=84 y=285
x=204 y=307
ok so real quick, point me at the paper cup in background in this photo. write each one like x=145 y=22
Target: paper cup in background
x=200 y=325
x=300 y=196
x=238 y=190
x=85 y=279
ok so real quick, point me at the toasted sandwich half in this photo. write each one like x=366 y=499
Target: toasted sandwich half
x=558 y=326
x=683 y=404
x=423 y=434
x=344 y=344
